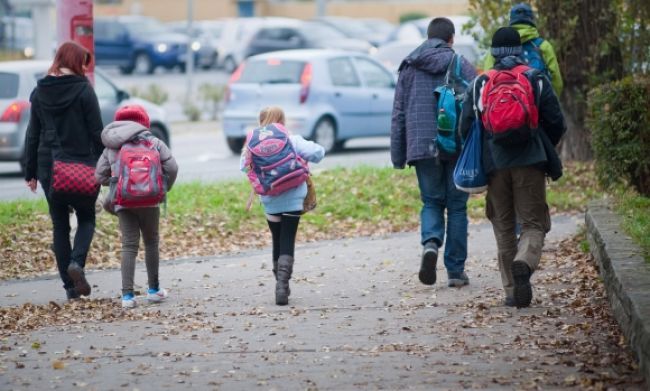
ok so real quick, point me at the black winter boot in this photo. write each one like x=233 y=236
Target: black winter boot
x=285 y=268
x=78 y=277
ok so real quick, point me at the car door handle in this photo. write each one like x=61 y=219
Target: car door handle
x=337 y=94
x=375 y=96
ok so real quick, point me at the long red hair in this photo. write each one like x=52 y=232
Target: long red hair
x=70 y=55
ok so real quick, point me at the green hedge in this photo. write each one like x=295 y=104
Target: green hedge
x=403 y=18
x=619 y=118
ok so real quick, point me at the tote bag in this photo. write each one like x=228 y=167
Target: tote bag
x=469 y=175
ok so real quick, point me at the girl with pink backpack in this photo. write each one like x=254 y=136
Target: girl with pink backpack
x=276 y=165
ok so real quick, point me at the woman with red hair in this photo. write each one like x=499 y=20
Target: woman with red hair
x=65 y=118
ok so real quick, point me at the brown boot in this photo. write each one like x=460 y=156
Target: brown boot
x=285 y=269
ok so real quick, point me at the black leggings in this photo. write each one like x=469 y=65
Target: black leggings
x=84 y=208
x=284 y=233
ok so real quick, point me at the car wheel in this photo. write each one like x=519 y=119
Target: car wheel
x=235 y=144
x=325 y=134
x=229 y=64
x=159 y=133
x=143 y=64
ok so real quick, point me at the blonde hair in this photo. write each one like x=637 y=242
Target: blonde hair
x=270 y=115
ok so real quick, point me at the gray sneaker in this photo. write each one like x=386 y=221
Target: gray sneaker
x=427 y=273
x=458 y=280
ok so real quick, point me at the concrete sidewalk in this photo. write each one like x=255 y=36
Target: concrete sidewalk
x=358 y=319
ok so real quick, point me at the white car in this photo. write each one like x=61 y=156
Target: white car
x=392 y=54
x=18 y=79
x=237 y=34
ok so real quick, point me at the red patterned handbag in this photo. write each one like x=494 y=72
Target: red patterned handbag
x=70 y=175
x=73 y=177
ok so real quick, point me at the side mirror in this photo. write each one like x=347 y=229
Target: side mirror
x=122 y=95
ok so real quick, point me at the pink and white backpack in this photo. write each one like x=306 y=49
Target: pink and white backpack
x=276 y=166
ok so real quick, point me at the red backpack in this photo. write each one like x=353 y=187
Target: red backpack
x=509 y=112
x=139 y=175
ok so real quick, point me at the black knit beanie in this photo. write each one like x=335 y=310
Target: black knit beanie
x=506 y=42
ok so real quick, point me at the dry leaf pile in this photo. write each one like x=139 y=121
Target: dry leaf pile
x=573 y=327
x=29 y=317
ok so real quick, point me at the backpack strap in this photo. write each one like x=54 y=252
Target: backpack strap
x=454 y=70
x=536 y=42
x=450 y=68
x=535 y=76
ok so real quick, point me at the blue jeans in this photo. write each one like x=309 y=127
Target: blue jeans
x=438 y=192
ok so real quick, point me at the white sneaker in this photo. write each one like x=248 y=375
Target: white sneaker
x=128 y=301
x=156 y=296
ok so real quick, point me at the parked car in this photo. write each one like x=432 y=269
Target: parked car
x=351 y=28
x=417 y=29
x=381 y=27
x=235 y=36
x=329 y=96
x=141 y=44
x=18 y=79
x=17 y=34
x=207 y=33
x=392 y=53
x=302 y=35
x=410 y=35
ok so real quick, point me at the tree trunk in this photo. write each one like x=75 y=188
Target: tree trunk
x=587 y=48
x=576 y=143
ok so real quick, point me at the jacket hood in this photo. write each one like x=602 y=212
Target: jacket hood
x=59 y=92
x=433 y=56
x=508 y=62
x=117 y=133
x=526 y=31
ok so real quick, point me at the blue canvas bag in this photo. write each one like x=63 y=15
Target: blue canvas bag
x=469 y=175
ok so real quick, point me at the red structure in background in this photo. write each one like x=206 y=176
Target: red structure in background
x=74 y=22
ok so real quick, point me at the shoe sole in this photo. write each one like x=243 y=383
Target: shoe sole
x=523 y=292
x=427 y=273
x=80 y=284
x=281 y=299
x=155 y=299
x=457 y=283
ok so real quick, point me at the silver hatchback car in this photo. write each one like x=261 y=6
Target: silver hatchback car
x=18 y=79
x=328 y=96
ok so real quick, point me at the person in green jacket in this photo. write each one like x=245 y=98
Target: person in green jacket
x=522 y=19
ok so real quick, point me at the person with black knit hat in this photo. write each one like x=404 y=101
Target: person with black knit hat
x=536 y=51
x=521 y=123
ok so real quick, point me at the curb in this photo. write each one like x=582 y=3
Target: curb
x=626 y=276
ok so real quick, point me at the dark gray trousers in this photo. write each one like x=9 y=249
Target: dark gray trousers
x=520 y=192
x=132 y=223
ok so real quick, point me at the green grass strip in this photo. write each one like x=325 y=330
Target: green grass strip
x=635 y=211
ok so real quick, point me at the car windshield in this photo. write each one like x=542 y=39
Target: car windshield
x=351 y=28
x=272 y=71
x=319 y=32
x=145 y=27
x=8 y=85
